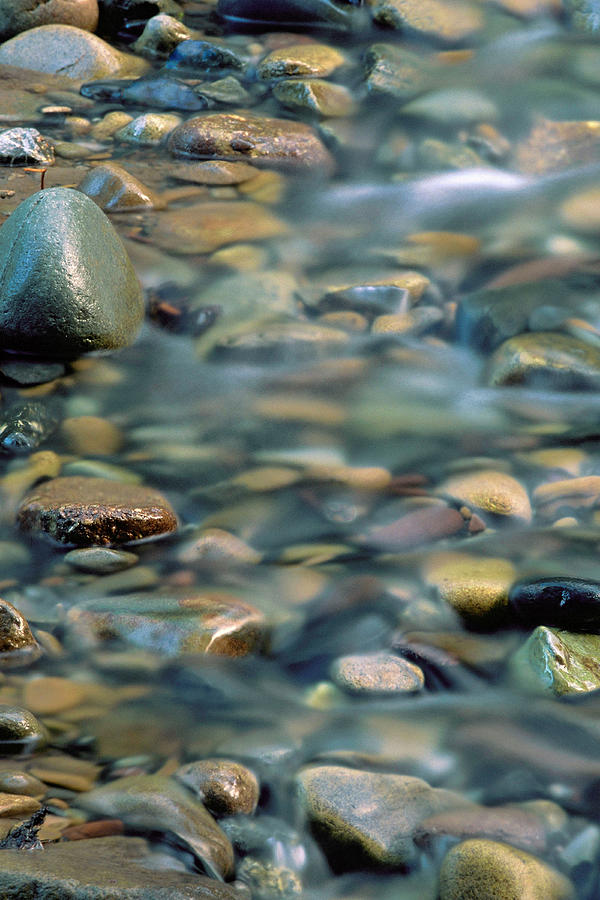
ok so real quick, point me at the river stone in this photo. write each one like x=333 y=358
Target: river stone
x=563 y=602
x=368 y=819
x=158 y=803
x=419 y=526
x=100 y=560
x=205 y=56
x=491 y=491
x=161 y=34
x=491 y=870
x=546 y=360
x=21 y=15
x=318 y=60
x=25 y=146
x=20 y=731
x=115 y=190
x=317 y=95
x=212 y=622
x=105 y=868
x=18 y=647
x=65 y=50
x=259 y=139
x=16 y=781
x=447 y=21
x=395 y=71
x=88 y=511
x=314 y=13
x=66 y=283
x=475 y=586
x=376 y=674
x=226 y=788
x=148 y=130
x=206 y=226
x=559 y=662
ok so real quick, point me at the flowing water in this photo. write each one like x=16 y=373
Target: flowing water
x=312 y=404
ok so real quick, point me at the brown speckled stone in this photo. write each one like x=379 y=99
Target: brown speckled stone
x=225 y=787
x=18 y=647
x=257 y=139
x=85 y=511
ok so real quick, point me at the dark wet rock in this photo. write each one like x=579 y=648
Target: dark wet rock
x=161 y=34
x=317 y=95
x=67 y=285
x=559 y=662
x=29 y=372
x=114 y=189
x=156 y=803
x=214 y=623
x=116 y=14
x=20 y=15
x=204 y=55
x=25 y=147
x=564 y=602
x=310 y=59
x=65 y=50
x=226 y=788
x=491 y=870
x=421 y=526
x=100 y=560
x=20 y=731
x=109 y=90
x=102 y=869
x=368 y=819
x=394 y=71
x=24 y=426
x=486 y=318
x=258 y=139
x=546 y=359
x=18 y=647
x=368 y=299
x=84 y=511
x=446 y=21
x=376 y=674
x=287 y=13
x=527 y=825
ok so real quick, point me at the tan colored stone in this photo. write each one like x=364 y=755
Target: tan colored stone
x=148 y=129
x=214 y=172
x=451 y=21
x=15 y=781
x=377 y=674
x=258 y=139
x=265 y=187
x=216 y=545
x=204 y=227
x=319 y=96
x=116 y=190
x=475 y=586
x=18 y=805
x=110 y=124
x=50 y=695
x=491 y=491
x=552 y=146
x=582 y=492
x=91 y=436
x=550 y=357
x=318 y=60
x=491 y=870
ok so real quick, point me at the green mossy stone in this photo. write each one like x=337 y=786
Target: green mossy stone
x=67 y=285
x=560 y=662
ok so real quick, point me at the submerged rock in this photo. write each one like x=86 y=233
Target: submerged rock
x=447 y=21
x=314 y=13
x=18 y=647
x=560 y=662
x=567 y=602
x=21 y=15
x=66 y=283
x=161 y=34
x=114 y=189
x=227 y=788
x=20 y=731
x=89 y=511
x=159 y=804
x=546 y=359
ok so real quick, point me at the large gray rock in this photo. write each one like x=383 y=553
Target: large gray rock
x=20 y=15
x=101 y=869
x=66 y=50
x=66 y=283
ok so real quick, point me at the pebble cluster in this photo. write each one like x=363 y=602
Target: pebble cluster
x=299 y=462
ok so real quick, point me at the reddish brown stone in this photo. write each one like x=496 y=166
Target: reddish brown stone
x=100 y=828
x=422 y=526
x=86 y=511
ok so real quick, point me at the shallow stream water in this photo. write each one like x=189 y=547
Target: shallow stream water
x=313 y=403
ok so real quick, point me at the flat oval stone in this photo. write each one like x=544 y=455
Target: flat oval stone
x=317 y=95
x=420 y=526
x=375 y=674
x=66 y=50
x=100 y=560
x=491 y=491
x=564 y=602
x=226 y=788
x=148 y=130
x=259 y=139
x=157 y=803
x=85 y=511
x=546 y=359
x=67 y=285
x=318 y=60
x=491 y=870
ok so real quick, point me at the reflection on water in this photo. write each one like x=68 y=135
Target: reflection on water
x=372 y=417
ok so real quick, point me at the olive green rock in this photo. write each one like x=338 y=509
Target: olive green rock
x=368 y=819
x=546 y=359
x=20 y=731
x=561 y=662
x=67 y=285
x=20 y=15
x=490 y=870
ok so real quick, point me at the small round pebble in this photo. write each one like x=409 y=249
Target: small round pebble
x=100 y=560
x=377 y=673
x=225 y=787
x=491 y=491
x=20 y=731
